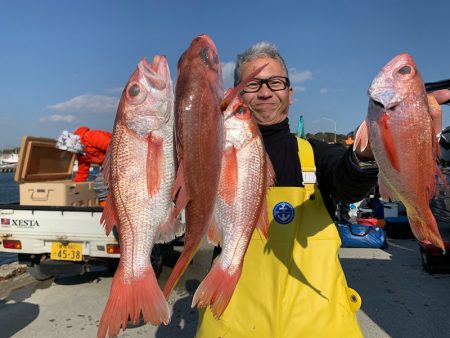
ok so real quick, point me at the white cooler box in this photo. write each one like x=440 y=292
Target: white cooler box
x=44 y=175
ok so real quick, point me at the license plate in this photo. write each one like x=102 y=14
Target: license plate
x=69 y=252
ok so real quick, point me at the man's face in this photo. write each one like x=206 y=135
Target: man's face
x=268 y=107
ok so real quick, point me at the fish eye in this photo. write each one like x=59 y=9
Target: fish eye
x=242 y=112
x=204 y=54
x=210 y=58
x=135 y=93
x=134 y=90
x=405 y=70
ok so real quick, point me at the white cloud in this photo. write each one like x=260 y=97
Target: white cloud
x=323 y=91
x=299 y=89
x=87 y=104
x=297 y=77
x=57 y=118
x=114 y=91
x=228 y=74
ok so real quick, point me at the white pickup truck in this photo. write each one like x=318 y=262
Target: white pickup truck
x=55 y=228
x=56 y=240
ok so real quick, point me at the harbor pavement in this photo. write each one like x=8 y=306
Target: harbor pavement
x=399 y=298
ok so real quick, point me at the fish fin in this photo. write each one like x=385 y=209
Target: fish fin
x=109 y=216
x=229 y=177
x=216 y=289
x=171 y=228
x=155 y=161
x=436 y=122
x=231 y=93
x=128 y=300
x=387 y=137
x=385 y=192
x=436 y=114
x=214 y=233
x=179 y=181
x=182 y=263
x=105 y=168
x=263 y=221
x=426 y=230
x=271 y=177
x=441 y=176
x=362 y=137
x=179 y=191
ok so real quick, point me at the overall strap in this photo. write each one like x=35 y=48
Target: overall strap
x=306 y=156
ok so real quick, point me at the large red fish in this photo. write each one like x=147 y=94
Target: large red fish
x=140 y=171
x=404 y=143
x=199 y=131
x=240 y=206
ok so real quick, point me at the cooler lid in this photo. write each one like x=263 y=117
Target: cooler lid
x=40 y=160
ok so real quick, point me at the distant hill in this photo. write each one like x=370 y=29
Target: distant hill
x=329 y=137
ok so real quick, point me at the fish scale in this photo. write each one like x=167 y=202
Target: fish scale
x=404 y=144
x=199 y=143
x=139 y=170
x=240 y=205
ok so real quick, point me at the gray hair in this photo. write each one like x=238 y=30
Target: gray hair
x=258 y=50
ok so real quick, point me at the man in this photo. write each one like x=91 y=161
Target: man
x=95 y=144
x=292 y=284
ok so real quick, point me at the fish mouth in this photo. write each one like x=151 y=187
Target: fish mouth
x=385 y=98
x=156 y=73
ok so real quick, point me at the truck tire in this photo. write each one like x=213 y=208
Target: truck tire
x=36 y=273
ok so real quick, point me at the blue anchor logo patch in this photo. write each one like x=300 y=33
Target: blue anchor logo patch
x=283 y=212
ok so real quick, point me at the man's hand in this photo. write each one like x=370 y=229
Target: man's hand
x=435 y=99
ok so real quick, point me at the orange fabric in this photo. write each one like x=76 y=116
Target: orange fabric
x=95 y=143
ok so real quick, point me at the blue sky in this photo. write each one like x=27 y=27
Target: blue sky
x=64 y=63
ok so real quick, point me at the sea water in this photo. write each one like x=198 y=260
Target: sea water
x=9 y=189
x=9 y=193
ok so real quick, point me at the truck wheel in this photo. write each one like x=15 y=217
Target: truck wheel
x=156 y=258
x=36 y=273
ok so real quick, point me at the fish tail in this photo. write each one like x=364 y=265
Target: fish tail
x=127 y=301
x=182 y=263
x=426 y=230
x=216 y=290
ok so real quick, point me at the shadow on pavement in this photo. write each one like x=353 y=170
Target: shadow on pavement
x=88 y=277
x=14 y=317
x=398 y=295
x=184 y=319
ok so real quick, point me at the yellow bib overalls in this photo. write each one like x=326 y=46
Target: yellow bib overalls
x=292 y=285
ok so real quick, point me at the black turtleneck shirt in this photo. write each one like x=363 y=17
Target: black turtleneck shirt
x=338 y=177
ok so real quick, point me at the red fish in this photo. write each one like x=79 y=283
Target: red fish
x=199 y=135
x=240 y=206
x=140 y=171
x=404 y=143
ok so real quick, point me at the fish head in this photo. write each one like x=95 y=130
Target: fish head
x=147 y=99
x=240 y=126
x=398 y=81
x=203 y=56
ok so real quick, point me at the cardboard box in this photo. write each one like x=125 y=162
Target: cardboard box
x=44 y=174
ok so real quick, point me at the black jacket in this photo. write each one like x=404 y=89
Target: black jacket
x=339 y=177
